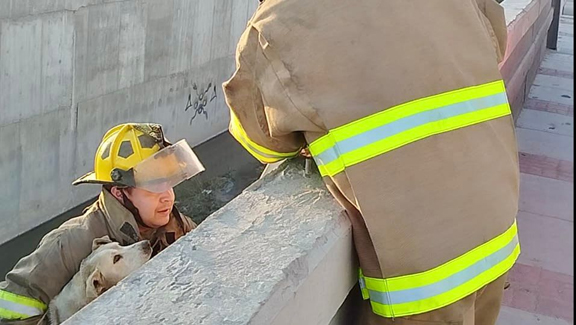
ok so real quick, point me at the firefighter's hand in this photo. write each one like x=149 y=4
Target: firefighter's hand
x=305 y=153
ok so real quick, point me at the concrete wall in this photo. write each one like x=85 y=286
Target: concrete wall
x=528 y=23
x=71 y=69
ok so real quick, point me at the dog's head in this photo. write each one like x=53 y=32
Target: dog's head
x=109 y=263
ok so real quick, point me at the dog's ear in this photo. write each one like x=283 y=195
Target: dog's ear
x=96 y=284
x=97 y=242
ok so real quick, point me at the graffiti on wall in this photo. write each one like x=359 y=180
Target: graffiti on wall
x=202 y=98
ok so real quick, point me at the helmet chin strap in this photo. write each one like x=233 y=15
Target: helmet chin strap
x=133 y=209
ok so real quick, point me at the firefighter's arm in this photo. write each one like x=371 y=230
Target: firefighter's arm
x=259 y=125
x=496 y=23
x=38 y=277
x=23 y=294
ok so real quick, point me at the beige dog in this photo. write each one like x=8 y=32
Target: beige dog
x=102 y=269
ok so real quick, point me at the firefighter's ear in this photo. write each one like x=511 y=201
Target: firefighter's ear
x=96 y=284
x=97 y=242
x=117 y=193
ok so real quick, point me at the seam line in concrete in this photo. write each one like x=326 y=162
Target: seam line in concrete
x=543 y=215
x=34 y=15
x=544 y=111
x=531 y=129
x=560 y=135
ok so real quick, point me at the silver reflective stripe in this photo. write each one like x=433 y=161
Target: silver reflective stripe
x=407 y=123
x=447 y=284
x=362 y=283
x=20 y=309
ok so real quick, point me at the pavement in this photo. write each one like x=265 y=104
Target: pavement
x=542 y=282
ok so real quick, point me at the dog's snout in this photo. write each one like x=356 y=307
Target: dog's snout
x=146 y=248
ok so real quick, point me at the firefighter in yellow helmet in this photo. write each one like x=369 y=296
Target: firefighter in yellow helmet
x=137 y=168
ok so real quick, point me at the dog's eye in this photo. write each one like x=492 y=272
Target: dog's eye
x=117 y=258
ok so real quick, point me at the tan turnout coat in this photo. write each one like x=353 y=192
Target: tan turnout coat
x=307 y=67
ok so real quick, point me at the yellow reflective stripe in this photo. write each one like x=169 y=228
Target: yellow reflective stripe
x=261 y=153
x=447 y=283
x=447 y=298
x=388 y=144
x=24 y=300
x=11 y=315
x=335 y=167
x=387 y=130
x=13 y=306
x=458 y=264
x=417 y=106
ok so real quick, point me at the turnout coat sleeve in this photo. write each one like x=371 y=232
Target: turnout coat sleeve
x=263 y=118
x=42 y=274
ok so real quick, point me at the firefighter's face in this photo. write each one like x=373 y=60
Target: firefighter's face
x=154 y=208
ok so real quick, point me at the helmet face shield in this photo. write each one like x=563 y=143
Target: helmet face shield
x=166 y=168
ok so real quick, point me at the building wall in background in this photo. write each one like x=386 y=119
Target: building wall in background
x=71 y=69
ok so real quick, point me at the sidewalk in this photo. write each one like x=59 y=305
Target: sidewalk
x=542 y=283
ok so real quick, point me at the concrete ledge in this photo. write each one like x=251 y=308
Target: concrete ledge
x=261 y=259
x=528 y=23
